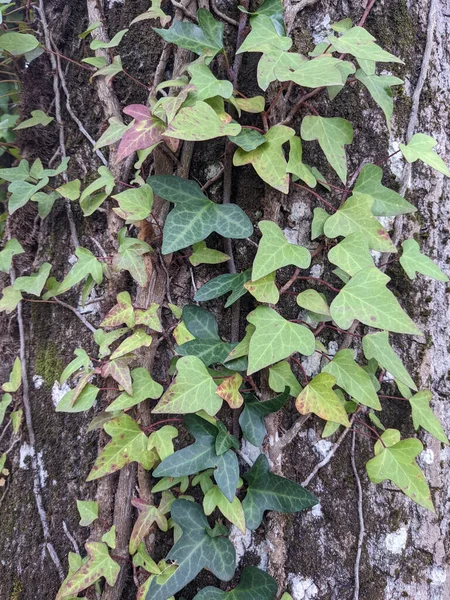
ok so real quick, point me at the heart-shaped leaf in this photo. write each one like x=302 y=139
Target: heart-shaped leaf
x=318 y=397
x=254 y=585
x=412 y=261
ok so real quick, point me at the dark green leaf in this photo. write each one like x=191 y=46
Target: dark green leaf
x=251 y=419
x=254 y=585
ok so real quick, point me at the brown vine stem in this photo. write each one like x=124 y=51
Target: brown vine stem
x=360 y=518
x=316 y=195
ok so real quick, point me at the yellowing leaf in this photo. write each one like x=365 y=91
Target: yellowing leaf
x=319 y=398
x=15 y=378
x=232 y=511
x=264 y=289
x=203 y=255
x=228 y=390
x=135 y=204
x=198 y=123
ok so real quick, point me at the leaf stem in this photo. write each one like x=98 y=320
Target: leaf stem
x=318 y=196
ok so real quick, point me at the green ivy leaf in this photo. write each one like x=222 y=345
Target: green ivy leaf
x=122 y=312
x=319 y=217
x=99 y=44
x=232 y=511
x=241 y=349
x=207 y=84
x=366 y=299
x=38 y=118
x=253 y=105
x=86 y=265
x=114 y=133
x=195 y=550
x=10 y=299
x=275 y=252
x=88 y=511
x=70 y=190
x=132 y=343
x=248 y=139
x=16 y=420
x=281 y=376
x=224 y=439
x=352 y=253
x=264 y=289
x=202 y=455
x=318 y=397
x=412 y=261
x=144 y=387
x=387 y=203
x=379 y=87
x=423 y=415
x=45 y=202
x=195 y=216
x=19 y=173
x=130 y=257
x=205 y=40
x=202 y=255
x=275 y=339
x=355 y=216
x=376 y=346
x=358 y=42
x=193 y=390
x=395 y=461
x=353 y=379
x=321 y=71
x=110 y=71
x=268 y=159
x=22 y=191
x=251 y=419
x=99 y=564
x=84 y=401
x=33 y=284
x=15 y=378
x=128 y=444
x=110 y=537
x=273 y=60
x=332 y=134
x=254 y=585
x=420 y=146
x=342 y=25
x=135 y=204
x=161 y=440
x=12 y=248
x=18 y=43
x=149 y=317
x=104 y=340
x=314 y=302
x=119 y=370
x=200 y=122
x=82 y=361
x=143 y=559
x=271 y=492
x=4 y=404
x=220 y=285
x=148 y=514
x=295 y=164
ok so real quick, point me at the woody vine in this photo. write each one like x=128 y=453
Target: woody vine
x=219 y=389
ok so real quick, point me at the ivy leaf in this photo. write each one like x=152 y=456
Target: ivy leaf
x=18 y=43
x=135 y=204
x=254 y=585
x=420 y=146
x=82 y=360
x=376 y=346
x=195 y=216
x=209 y=351
x=395 y=461
x=16 y=420
x=295 y=164
x=110 y=71
x=21 y=192
x=224 y=440
x=275 y=339
x=86 y=265
x=70 y=190
x=332 y=134
x=33 y=284
x=99 y=44
x=130 y=257
x=366 y=299
x=281 y=376
x=423 y=415
x=143 y=559
x=195 y=550
x=355 y=216
x=251 y=419
x=387 y=203
x=319 y=217
x=324 y=70
x=200 y=322
x=275 y=252
x=99 y=564
x=205 y=40
x=110 y=537
x=161 y=440
x=202 y=455
x=353 y=379
x=352 y=253
x=144 y=387
x=84 y=401
x=19 y=173
x=12 y=248
x=412 y=261
x=132 y=343
x=10 y=299
x=144 y=132
x=149 y=317
x=273 y=60
x=118 y=369
x=248 y=139
x=193 y=390
x=200 y=122
x=228 y=390
x=45 y=202
x=15 y=378
x=113 y=134
x=358 y=42
x=271 y=492
x=220 y=285
x=104 y=340
x=318 y=397
x=202 y=255
x=379 y=87
x=253 y=105
x=88 y=511
x=314 y=302
x=148 y=514
x=264 y=289
x=264 y=37
x=232 y=511
x=128 y=444
x=4 y=404
x=268 y=159
x=122 y=312
x=241 y=350
x=38 y=117
x=207 y=84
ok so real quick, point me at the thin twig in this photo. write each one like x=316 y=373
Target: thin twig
x=185 y=11
x=360 y=517
x=77 y=314
x=71 y=538
x=222 y=15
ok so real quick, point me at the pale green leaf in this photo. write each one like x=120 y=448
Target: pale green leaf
x=319 y=217
x=99 y=44
x=4 y=404
x=352 y=253
x=198 y=123
x=33 y=284
x=144 y=387
x=86 y=265
x=15 y=377
x=366 y=298
x=110 y=537
x=376 y=346
x=232 y=511
x=88 y=511
x=281 y=376
x=85 y=400
x=264 y=37
x=113 y=134
x=420 y=146
x=12 y=247
x=22 y=191
x=251 y=105
x=248 y=139
x=10 y=299
x=413 y=261
x=318 y=397
x=201 y=254
x=38 y=118
x=379 y=87
x=387 y=203
x=18 y=43
x=161 y=440
x=132 y=343
x=16 y=420
x=207 y=84
x=321 y=71
x=135 y=204
x=82 y=360
x=92 y=27
x=313 y=301
x=423 y=415
x=205 y=39
x=358 y=42
x=264 y=289
x=295 y=164
x=111 y=70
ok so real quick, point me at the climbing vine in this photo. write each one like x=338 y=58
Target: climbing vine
x=223 y=386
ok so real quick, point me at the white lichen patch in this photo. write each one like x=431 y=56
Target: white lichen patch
x=316 y=511
x=38 y=382
x=58 y=391
x=322 y=448
x=396 y=542
x=438 y=576
x=311 y=364
x=42 y=471
x=249 y=451
x=426 y=457
x=26 y=451
x=333 y=348
x=322 y=30
x=316 y=270
x=302 y=589
x=241 y=542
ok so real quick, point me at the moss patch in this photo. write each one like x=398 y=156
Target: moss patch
x=48 y=363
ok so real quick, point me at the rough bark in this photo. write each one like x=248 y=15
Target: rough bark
x=312 y=555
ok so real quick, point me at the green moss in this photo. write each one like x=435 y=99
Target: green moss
x=17 y=590
x=48 y=363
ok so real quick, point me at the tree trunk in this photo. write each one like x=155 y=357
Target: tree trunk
x=311 y=554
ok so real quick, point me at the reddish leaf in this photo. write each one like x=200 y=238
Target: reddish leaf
x=119 y=370
x=148 y=514
x=143 y=133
